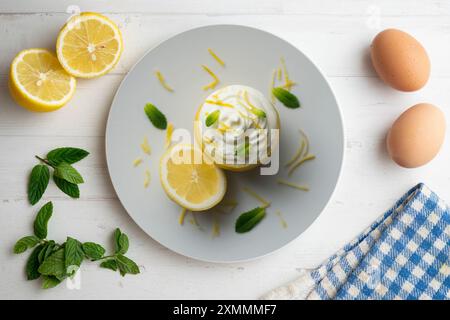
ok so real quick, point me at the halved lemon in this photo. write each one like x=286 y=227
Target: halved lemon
x=190 y=181
x=38 y=82
x=89 y=45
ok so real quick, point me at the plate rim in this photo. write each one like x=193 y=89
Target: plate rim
x=342 y=159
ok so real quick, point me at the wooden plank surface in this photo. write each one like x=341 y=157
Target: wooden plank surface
x=335 y=34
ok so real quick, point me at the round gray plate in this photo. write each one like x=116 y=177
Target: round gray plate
x=250 y=56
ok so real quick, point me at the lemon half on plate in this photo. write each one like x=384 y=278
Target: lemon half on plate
x=89 y=45
x=38 y=82
x=189 y=180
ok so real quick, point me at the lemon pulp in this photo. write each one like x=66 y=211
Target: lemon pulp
x=195 y=186
x=89 y=45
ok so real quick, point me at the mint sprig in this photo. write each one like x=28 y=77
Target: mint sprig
x=65 y=176
x=122 y=242
x=41 y=221
x=212 y=118
x=286 y=98
x=156 y=117
x=25 y=243
x=38 y=182
x=248 y=220
x=55 y=262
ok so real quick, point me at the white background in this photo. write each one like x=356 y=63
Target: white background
x=335 y=34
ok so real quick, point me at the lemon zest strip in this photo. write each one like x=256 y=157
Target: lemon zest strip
x=223 y=127
x=272 y=85
x=282 y=221
x=299 y=163
x=216 y=57
x=258 y=197
x=182 y=216
x=169 y=133
x=297 y=155
x=288 y=83
x=137 y=161
x=306 y=142
x=163 y=81
x=145 y=146
x=247 y=100
x=213 y=84
x=292 y=185
x=147 y=178
x=220 y=103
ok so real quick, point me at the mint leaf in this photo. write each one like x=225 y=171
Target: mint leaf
x=67 y=172
x=54 y=265
x=37 y=183
x=50 y=282
x=109 y=264
x=157 y=118
x=66 y=154
x=93 y=250
x=212 y=118
x=73 y=255
x=71 y=189
x=47 y=250
x=25 y=243
x=248 y=220
x=32 y=265
x=117 y=234
x=126 y=265
x=286 y=98
x=123 y=243
x=41 y=221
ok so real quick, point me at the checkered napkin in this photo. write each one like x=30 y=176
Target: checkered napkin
x=405 y=254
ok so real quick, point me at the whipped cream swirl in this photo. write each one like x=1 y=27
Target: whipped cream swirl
x=240 y=134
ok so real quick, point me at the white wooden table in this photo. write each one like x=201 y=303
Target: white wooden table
x=336 y=34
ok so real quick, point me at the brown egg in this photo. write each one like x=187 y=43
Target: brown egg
x=416 y=136
x=400 y=60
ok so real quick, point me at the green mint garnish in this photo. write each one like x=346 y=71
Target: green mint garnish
x=67 y=154
x=248 y=220
x=157 y=118
x=212 y=118
x=286 y=98
x=38 y=182
x=65 y=176
x=55 y=262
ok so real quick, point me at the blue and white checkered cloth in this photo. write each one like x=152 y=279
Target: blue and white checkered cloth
x=405 y=254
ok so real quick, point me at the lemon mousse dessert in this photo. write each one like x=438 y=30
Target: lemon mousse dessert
x=234 y=127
